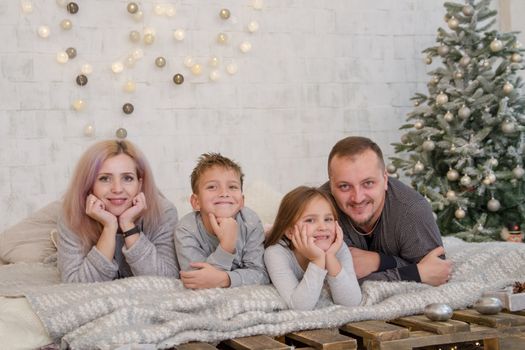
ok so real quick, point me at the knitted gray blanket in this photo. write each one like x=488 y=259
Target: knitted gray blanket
x=156 y=310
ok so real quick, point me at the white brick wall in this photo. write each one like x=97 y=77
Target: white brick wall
x=318 y=71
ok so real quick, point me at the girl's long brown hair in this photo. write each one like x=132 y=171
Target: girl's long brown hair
x=81 y=184
x=290 y=210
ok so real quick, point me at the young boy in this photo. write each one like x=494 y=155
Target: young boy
x=220 y=244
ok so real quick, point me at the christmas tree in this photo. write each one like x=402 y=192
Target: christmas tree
x=464 y=141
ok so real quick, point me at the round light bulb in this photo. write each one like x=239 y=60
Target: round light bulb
x=86 y=69
x=43 y=31
x=245 y=47
x=62 y=57
x=129 y=86
x=232 y=68
x=62 y=3
x=159 y=9
x=137 y=54
x=149 y=38
x=188 y=61
x=215 y=75
x=253 y=26
x=222 y=38
x=196 y=69
x=27 y=6
x=170 y=10
x=66 y=24
x=134 y=36
x=179 y=34
x=89 y=130
x=79 y=105
x=137 y=16
x=258 y=4
x=214 y=61
x=117 y=67
x=129 y=61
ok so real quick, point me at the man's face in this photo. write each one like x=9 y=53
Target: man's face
x=359 y=185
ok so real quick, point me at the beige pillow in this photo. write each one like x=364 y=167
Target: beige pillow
x=30 y=239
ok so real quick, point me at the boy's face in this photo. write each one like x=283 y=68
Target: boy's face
x=219 y=192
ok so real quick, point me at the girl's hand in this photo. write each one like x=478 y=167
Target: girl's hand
x=338 y=241
x=305 y=245
x=128 y=218
x=96 y=210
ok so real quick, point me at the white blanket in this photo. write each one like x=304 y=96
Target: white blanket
x=156 y=310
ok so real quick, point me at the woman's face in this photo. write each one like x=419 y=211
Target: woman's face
x=117 y=183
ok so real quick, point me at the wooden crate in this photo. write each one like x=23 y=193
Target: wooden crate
x=465 y=327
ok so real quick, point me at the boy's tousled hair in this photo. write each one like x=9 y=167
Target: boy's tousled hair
x=209 y=160
x=290 y=210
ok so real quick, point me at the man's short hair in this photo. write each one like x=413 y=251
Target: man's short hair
x=354 y=145
x=209 y=160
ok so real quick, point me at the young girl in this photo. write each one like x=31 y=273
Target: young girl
x=115 y=223
x=305 y=247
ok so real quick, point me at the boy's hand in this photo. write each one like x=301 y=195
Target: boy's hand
x=207 y=276
x=226 y=231
x=306 y=246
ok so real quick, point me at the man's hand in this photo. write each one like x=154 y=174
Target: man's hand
x=365 y=262
x=433 y=270
x=207 y=276
x=226 y=231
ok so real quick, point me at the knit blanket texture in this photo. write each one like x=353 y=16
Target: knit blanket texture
x=162 y=313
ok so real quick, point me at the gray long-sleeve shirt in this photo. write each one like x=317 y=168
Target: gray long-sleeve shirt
x=152 y=254
x=405 y=233
x=301 y=289
x=246 y=266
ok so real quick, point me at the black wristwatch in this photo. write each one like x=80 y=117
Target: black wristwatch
x=131 y=232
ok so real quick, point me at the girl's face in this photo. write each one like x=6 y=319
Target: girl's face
x=319 y=222
x=117 y=183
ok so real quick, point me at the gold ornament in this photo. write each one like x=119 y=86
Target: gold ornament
x=493 y=162
x=391 y=168
x=419 y=167
x=132 y=7
x=159 y=9
x=448 y=117
x=428 y=60
x=178 y=79
x=435 y=79
x=79 y=105
x=491 y=177
x=71 y=52
x=222 y=38
x=441 y=98
x=121 y=133
x=128 y=108
x=66 y=24
x=508 y=127
x=160 y=61
x=468 y=10
x=516 y=58
x=451 y=195
x=72 y=8
x=443 y=50
x=429 y=145
x=453 y=23
x=464 y=112
x=459 y=213
x=464 y=61
x=169 y=10
x=496 y=45
x=465 y=180
x=507 y=88
x=134 y=36
x=258 y=4
x=458 y=75
x=493 y=204
x=137 y=54
x=452 y=175
x=418 y=124
x=196 y=69
x=224 y=13
x=486 y=181
x=81 y=80
x=138 y=16
x=518 y=172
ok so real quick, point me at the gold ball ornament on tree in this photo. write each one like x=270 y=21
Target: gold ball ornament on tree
x=493 y=204
x=448 y=116
x=464 y=61
x=451 y=195
x=516 y=58
x=178 y=79
x=435 y=80
x=121 y=133
x=429 y=145
x=128 y=108
x=453 y=23
x=138 y=16
x=464 y=112
x=468 y=10
x=492 y=162
x=458 y=75
x=160 y=61
x=61 y=3
x=81 y=80
x=452 y=175
x=441 y=98
x=443 y=50
x=507 y=88
x=459 y=213
x=491 y=177
x=188 y=61
x=465 y=180
x=66 y=24
x=132 y=7
x=391 y=168
x=518 y=172
x=72 y=7
x=508 y=127
x=419 y=167
x=71 y=52
x=428 y=60
x=496 y=45
x=224 y=14
x=418 y=125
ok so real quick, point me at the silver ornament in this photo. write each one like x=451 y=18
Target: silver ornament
x=458 y=75
x=488 y=305
x=491 y=177
x=486 y=181
x=493 y=204
x=419 y=167
x=465 y=180
x=429 y=145
x=418 y=124
x=508 y=127
x=459 y=213
x=448 y=117
x=496 y=45
x=391 y=168
x=441 y=98
x=493 y=162
x=464 y=61
x=516 y=58
x=518 y=172
x=438 y=312
x=464 y=112
x=435 y=79
x=452 y=175
x=468 y=10
x=443 y=50
x=428 y=60
x=451 y=195
x=453 y=23
x=405 y=139
x=507 y=88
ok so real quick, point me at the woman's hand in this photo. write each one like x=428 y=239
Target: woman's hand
x=305 y=245
x=128 y=218
x=96 y=210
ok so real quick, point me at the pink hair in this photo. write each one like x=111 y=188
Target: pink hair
x=84 y=176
